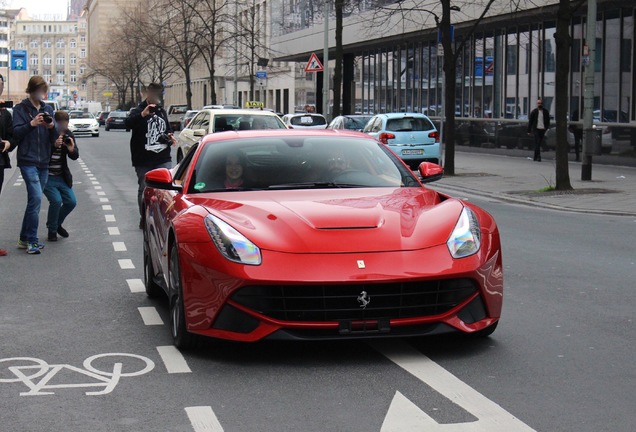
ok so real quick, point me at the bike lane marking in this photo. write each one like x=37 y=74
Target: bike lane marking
x=173 y=359
x=119 y=247
x=126 y=264
x=149 y=315
x=203 y=419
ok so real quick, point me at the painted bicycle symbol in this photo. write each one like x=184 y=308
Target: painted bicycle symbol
x=102 y=371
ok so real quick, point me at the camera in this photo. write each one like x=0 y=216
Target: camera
x=164 y=139
x=7 y=104
x=154 y=109
x=66 y=139
x=48 y=119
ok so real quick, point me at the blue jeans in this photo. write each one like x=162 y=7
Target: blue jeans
x=35 y=180
x=62 y=201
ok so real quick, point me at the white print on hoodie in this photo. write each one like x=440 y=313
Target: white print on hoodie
x=156 y=127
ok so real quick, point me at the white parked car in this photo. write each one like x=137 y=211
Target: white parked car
x=83 y=123
x=305 y=121
x=223 y=120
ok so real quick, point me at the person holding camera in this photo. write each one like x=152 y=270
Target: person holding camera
x=7 y=144
x=58 y=188
x=151 y=138
x=35 y=134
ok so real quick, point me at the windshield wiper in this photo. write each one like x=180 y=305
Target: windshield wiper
x=316 y=185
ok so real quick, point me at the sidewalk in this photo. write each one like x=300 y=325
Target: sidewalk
x=612 y=190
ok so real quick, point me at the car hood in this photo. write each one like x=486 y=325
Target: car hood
x=81 y=121
x=337 y=220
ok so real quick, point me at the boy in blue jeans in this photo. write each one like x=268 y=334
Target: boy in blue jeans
x=58 y=188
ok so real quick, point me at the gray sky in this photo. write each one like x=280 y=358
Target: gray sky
x=41 y=8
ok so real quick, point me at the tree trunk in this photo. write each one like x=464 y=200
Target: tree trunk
x=449 y=90
x=563 y=42
x=188 y=87
x=337 y=74
x=212 y=71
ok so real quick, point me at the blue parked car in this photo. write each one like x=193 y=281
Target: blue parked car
x=412 y=136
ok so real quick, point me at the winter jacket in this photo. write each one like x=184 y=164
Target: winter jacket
x=6 y=133
x=66 y=172
x=533 y=120
x=145 y=150
x=35 y=144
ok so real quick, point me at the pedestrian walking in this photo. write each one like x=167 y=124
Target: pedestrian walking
x=151 y=138
x=577 y=131
x=59 y=187
x=538 y=124
x=7 y=144
x=35 y=134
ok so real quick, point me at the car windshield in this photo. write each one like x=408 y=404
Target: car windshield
x=409 y=124
x=117 y=114
x=297 y=162
x=80 y=115
x=228 y=122
x=356 y=123
x=308 y=120
x=178 y=109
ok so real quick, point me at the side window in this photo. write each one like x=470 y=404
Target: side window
x=369 y=127
x=182 y=168
x=196 y=121
x=205 y=122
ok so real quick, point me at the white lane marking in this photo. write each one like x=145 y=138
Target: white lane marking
x=136 y=285
x=113 y=231
x=150 y=316
x=126 y=264
x=203 y=419
x=87 y=172
x=110 y=218
x=98 y=187
x=17 y=184
x=119 y=246
x=103 y=200
x=94 y=182
x=107 y=207
x=101 y=193
x=492 y=417
x=173 y=359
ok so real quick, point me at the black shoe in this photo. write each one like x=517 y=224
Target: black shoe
x=62 y=232
x=141 y=224
x=52 y=237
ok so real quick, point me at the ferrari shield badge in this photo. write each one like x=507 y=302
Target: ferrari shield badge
x=361 y=264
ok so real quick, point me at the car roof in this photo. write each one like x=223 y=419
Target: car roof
x=273 y=133
x=402 y=115
x=239 y=112
x=304 y=114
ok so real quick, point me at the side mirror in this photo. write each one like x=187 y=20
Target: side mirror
x=200 y=132
x=161 y=178
x=430 y=172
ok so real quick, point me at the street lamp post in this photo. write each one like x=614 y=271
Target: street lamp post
x=588 y=107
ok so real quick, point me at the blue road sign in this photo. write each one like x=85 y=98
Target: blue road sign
x=18 y=60
x=261 y=74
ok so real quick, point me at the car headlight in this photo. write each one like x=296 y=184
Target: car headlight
x=232 y=244
x=465 y=239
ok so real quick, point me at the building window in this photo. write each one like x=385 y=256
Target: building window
x=83 y=53
x=47 y=43
x=47 y=75
x=20 y=44
x=59 y=43
x=73 y=43
x=82 y=70
x=59 y=60
x=83 y=24
x=73 y=59
x=4 y=37
x=34 y=60
x=83 y=38
x=73 y=76
x=33 y=44
x=60 y=77
x=83 y=86
x=34 y=72
x=46 y=60
x=4 y=64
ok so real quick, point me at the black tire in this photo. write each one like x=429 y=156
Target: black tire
x=95 y=135
x=153 y=290
x=485 y=332
x=106 y=128
x=181 y=338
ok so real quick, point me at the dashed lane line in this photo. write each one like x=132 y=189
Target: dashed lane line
x=110 y=218
x=103 y=200
x=101 y=193
x=173 y=359
x=203 y=419
x=150 y=316
x=136 y=285
x=119 y=247
x=107 y=207
x=126 y=264
x=113 y=231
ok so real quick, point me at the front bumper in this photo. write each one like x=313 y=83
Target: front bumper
x=217 y=293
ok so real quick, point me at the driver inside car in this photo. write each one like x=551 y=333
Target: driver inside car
x=337 y=164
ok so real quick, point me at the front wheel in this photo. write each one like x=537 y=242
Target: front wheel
x=181 y=338
x=106 y=128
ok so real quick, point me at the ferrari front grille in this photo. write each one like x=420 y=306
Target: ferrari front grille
x=336 y=302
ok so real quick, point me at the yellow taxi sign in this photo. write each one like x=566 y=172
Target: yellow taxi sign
x=107 y=93
x=254 y=104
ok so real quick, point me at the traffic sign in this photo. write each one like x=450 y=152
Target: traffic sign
x=261 y=74
x=314 y=65
x=107 y=94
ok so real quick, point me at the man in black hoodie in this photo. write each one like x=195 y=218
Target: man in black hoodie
x=151 y=138
x=7 y=144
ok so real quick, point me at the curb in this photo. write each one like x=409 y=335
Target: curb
x=528 y=202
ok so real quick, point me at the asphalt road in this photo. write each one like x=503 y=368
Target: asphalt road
x=562 y=358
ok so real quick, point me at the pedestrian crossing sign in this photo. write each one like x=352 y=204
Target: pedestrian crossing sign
x=314 y=65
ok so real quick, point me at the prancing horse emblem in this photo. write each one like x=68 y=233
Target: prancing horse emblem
x=364 y=299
